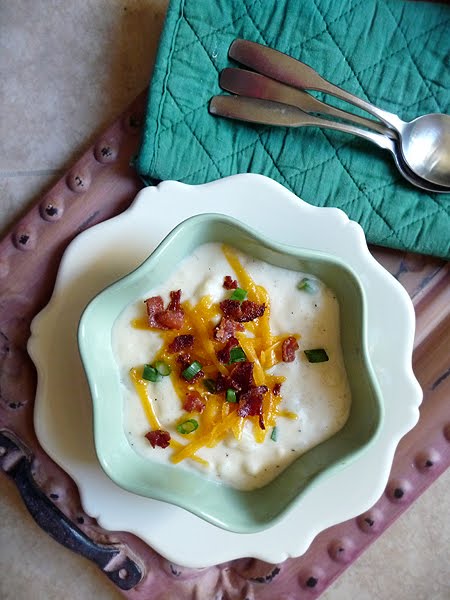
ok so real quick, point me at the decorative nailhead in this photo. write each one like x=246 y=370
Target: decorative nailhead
x=2 y=451
x=24 y=239
x=370 y=521
x=133 y=122
x=106 y=152
x=15 y=405
x=52 y=209
x=398 y=490
x=79 y=181
x=313 y=580
x=426 y=460
x=341 y=550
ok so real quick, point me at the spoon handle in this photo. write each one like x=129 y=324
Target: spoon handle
x=291 y=71
x=255 y=85
x=267 y=112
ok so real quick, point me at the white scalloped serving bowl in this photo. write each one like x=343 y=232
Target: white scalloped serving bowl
x=105 y=253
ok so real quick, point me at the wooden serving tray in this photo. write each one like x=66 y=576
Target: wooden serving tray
x=100 y=185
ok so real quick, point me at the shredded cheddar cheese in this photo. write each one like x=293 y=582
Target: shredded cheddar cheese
x=219 y=417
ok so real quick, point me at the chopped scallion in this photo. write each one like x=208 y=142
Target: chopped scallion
x=151 y=374
x=187 y=426
x=316 y=355
x=231 y=395
x=191 y=371
x=237 y=355
x=163 y=368
x=238 y=294
x=210 y=385
x=307 y=285
x=274 y=434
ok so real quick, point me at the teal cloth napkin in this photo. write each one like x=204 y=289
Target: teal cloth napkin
x=394 y=53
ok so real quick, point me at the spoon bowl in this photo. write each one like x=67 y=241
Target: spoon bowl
x=425 y=145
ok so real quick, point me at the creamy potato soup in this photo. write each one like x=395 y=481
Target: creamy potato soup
x=233 y=367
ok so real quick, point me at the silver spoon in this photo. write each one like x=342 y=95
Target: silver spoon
x=255 y=85
x=423 y=142
x=255 y=110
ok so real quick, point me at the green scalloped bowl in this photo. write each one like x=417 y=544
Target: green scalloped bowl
x=224 y=506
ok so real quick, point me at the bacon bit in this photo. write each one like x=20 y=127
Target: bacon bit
x=226 y=329
x=170 y=318
x=276 y=389
x=158 y=437
x=224 y=354
x=242 y=311
x=229 y=283
x=193 y=402
x=250 y=403
x=154 y=306
x=241 y=376
x=288 y=349
x=184 y=359
x=174 y=303
x=223 y=383
x=181 y=342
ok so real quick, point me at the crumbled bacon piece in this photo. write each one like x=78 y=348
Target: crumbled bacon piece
x=229 y=283
x=242 y=312
x=170 y=318
x=223 y=383
x=174 y=303
x=193 y=402
x=226 y=329
x=241 y=376
x=158 y=437
x=276 y=390
x=181 y=342
x=224 y=354
x=155 y=305
x=288 y=348
x=184 y=359
x=250 y=403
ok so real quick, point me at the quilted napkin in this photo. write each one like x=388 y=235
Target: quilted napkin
x=394 y=53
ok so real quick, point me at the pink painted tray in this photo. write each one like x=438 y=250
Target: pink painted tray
x=99 y=186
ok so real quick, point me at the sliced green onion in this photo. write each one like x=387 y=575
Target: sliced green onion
x=231 y=395
x=210 y=385
x=316 y=355
x=274 y=434
x=308 y=285
x=191 y=371
x=237 y=355
x=239 y=294
x=187 y=426
x=163 y=368
x=151 y=374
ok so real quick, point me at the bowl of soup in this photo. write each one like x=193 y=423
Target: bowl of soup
x=229 y=373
